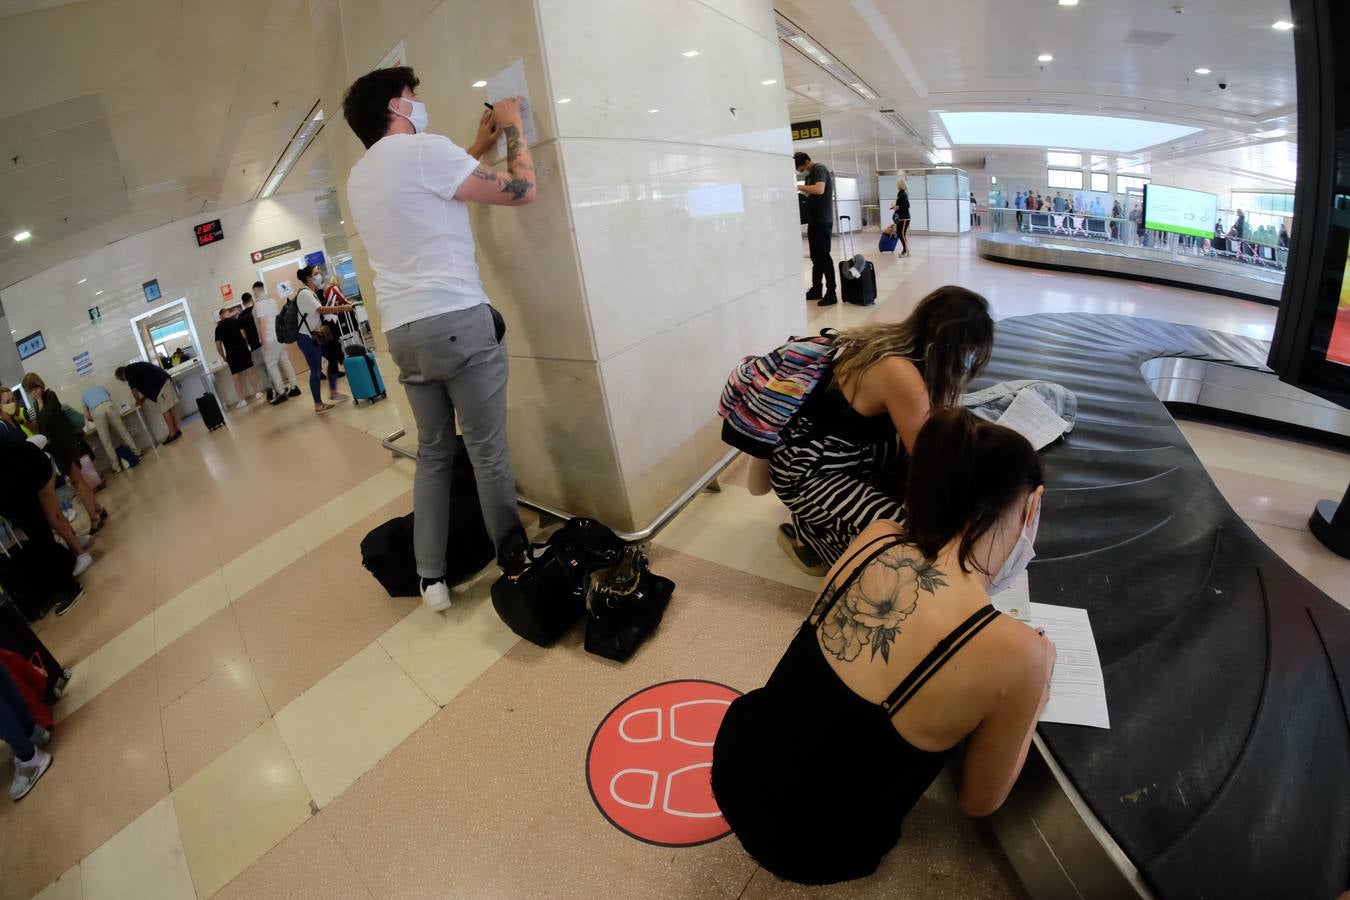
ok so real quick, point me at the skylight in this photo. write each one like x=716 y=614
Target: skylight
x=1019 y=129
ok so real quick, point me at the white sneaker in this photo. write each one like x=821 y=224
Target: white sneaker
x=40 y=737
x=82 y=564
x=26 y=774
x=241 y=404
x=436 y=596
x=258 y=396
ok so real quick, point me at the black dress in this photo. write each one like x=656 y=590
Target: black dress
x=814 y=780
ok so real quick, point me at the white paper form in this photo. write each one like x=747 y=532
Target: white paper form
x=1031 y=417
x=1077 y=687
x=510 y=82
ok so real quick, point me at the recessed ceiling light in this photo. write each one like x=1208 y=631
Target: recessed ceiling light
x=23 y=235
x=863 y=90
x=1202 y=71
x=82 y=281
x=1283 y=25
x=691 y=53
x=653 y=110
x=769 y=81
x=1045 y=57
x=564 y=99
x=1068 y=2
x=96 y=293
x=342 y=221
x=480 y=83
x=820 y=141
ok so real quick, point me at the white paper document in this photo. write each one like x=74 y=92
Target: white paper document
x=1015 y=599
x=1077 y=687
x=510 y=82
x=1031 y=417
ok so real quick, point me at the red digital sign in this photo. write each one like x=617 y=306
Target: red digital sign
x=209 y=232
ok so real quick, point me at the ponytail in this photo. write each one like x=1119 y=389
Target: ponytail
x=964 y=473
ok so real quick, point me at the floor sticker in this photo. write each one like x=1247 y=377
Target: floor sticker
x=649 y=763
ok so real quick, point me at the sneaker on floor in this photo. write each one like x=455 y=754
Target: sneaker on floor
x=802 y=556
x=241 y=404
x=294 y=391
x=903 y=255
x=278 y=400
x=813 y=294
x=67 y=600
x=828 y=300
x=337 y=397
x=258 y=396
x=435 y=594
x=82 y=564
x=271 y=395
x=40 y=737
x=26 y=774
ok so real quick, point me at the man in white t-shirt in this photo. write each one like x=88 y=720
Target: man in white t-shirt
x=409 y=195
x=275 y=357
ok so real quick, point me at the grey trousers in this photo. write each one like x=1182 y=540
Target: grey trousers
x=455 y=363
x=260 y=366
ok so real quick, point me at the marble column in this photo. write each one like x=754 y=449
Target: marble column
x=664 y=242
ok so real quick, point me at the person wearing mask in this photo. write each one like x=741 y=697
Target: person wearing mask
x=11 y=429
x=28 y=500
x=314 y=332
x=900 y=215
x=63 y=443
x=409 y=194
x=24 y=736
x=902 y=660
x=99 y=409
x=840 y=464
x=275 y=358
x=248 y=327
x=819 y=192
x=232 y=347
x=150 y=383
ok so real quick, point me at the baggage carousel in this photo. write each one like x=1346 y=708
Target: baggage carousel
x=1219 y=276
x=1226 y=770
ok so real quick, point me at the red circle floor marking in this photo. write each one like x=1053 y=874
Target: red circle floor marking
x=649 y=763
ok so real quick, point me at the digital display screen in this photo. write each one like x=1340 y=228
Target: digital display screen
x=1180 y=211
x=209 y=232
x=30 y=345
x=1338 y=350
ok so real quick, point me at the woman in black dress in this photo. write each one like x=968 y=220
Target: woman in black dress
x=900 y=216
x=63 y=443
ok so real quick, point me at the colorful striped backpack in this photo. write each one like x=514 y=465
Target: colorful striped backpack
x=763 y=393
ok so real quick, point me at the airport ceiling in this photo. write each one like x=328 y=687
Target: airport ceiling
x=120 y=115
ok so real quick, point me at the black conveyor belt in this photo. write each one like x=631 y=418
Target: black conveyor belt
x=1226 y=771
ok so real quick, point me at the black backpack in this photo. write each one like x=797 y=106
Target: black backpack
x=288 y=322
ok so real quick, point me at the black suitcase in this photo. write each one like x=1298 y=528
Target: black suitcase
x=209 y=408
x=387 y=551
x=860 y=290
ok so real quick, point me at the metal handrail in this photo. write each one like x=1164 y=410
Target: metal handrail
x=680 y=502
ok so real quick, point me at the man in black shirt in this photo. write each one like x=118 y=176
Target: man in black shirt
x=249 y=326
x=152 y=383
x=819 y=192
x=233 y=349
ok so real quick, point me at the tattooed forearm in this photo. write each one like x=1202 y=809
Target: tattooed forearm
x=517 y=188
x=518 y=162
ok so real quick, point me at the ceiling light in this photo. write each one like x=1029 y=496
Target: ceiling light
x=1045 y=57
x=820 y=141
x=96 y=293
x=1068 y=2
x=863 y=90
x=691 y=53
x=1283 y=25
x=564 y=99
x=480 y=83
x=82 y=281
x=294 y=150
x=769 y=81
x=653 y=110
x=23 y=235
x=1202 y=71
x=810 y=49
x=342 y=221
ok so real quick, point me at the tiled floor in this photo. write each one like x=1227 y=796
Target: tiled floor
x=253 y=717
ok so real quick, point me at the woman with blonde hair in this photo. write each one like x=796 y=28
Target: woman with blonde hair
x=900 y=215
x=841 y=462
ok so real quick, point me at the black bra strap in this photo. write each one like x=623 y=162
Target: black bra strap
x=886 y=541
x=945 y=649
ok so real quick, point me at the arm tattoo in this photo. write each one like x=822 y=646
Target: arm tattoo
x=517 y=188
x=870 y=612
x=483 y=173
x=513 y=142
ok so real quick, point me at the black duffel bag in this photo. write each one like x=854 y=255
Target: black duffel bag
x=551 y=594
x=387 y=551
x=624 y=604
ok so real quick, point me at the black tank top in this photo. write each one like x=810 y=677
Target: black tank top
x=829 y=412
x=815 y=780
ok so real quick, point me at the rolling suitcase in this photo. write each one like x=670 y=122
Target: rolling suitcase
x=209 y=408
x=363 y=375
x=857 y=283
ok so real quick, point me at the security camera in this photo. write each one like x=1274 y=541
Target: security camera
x=1223 y=85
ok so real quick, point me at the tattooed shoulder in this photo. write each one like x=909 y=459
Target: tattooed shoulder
x=870 y=613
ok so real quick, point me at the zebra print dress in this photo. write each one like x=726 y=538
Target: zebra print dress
x=838 y=471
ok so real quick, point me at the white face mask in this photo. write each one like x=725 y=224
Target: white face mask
x=418 y=116
x=1022 y=554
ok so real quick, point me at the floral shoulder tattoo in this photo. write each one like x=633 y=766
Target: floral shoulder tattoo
x=870 y=612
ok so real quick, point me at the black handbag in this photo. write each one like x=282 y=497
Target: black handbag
x=549 y=597
x=624 y=604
